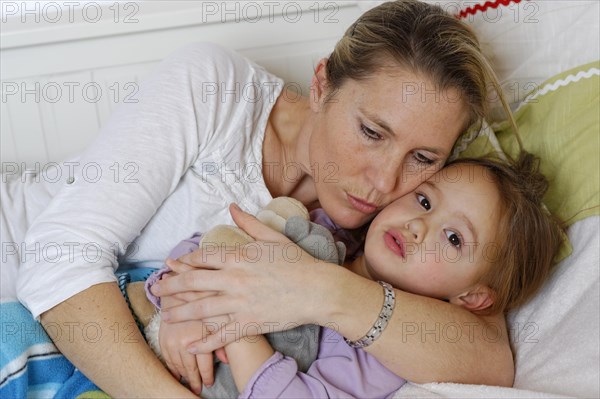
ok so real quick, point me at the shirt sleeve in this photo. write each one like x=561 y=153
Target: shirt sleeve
x=339 y=372
x=134 y=164
x=184 y=247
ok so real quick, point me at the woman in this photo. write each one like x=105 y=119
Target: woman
x=384 y=111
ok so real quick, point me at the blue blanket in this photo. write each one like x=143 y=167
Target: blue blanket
x=30 y=364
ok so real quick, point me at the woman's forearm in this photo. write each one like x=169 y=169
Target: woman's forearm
x=99 y=336
x=426 y=340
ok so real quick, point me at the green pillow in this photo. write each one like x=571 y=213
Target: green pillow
x=560 y=123
x=476 y=143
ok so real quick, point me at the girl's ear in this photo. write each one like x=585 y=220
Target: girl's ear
x=318 y=85
x=475 y=299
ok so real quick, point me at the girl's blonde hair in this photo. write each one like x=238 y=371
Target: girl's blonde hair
x=425 y=40
x=528 y=236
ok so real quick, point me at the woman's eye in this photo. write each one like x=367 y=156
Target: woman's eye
x=423 y=159
x=453 y=238
x=424 y=202
x=369 y=133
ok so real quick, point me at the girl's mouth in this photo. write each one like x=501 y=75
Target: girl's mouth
x=395 y=242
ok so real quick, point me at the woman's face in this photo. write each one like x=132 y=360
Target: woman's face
x=377 y=139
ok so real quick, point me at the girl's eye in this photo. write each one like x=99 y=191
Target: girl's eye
x=453 y=238
x=423 y=159
x=424 y=202
x=369 y=133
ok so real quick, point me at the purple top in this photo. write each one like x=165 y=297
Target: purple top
x=339 y=372
x=353 y=246
x=184 y=247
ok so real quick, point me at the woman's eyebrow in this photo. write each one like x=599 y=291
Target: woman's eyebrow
x=378 y=121
x=382 y=124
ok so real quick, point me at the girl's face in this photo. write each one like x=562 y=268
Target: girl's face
x=439 y=239
x=377 y=139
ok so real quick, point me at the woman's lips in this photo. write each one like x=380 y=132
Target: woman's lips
x=361 y=205
x=395 y=242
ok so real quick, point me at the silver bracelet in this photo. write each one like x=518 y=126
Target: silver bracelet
x=389 y=301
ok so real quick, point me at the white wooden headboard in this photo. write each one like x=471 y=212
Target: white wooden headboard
x=66 y=65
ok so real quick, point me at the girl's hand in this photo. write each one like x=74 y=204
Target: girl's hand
x=175 y=337
x=262 y=287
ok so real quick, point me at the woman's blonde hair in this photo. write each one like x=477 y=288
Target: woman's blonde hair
x=528 y=237
x=425 y=40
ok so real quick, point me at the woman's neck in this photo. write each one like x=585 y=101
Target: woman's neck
x=285 y=148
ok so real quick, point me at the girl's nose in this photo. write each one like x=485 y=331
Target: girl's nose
x=417 y=229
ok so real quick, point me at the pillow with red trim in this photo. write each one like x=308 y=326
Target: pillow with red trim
x=529 y=41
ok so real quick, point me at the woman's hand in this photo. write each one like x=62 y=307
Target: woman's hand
x=262 y=286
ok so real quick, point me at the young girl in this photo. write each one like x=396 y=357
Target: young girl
x=475 y=235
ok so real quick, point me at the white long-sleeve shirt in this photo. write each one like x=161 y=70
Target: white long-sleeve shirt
x=170 y=165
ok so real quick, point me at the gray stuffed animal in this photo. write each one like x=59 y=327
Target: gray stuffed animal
x=315 y=239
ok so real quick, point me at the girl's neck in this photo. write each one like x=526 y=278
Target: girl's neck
x=285 y=148
x=358 y=266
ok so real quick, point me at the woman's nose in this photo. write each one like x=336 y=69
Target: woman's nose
x=386 y=178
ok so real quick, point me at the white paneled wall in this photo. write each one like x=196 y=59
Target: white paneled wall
x=62 y=77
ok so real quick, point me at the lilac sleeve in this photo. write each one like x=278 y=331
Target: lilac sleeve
x=353 y=245
x=184 y=247
x=339 y=372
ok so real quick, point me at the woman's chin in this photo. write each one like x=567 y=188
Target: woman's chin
x=349 y=218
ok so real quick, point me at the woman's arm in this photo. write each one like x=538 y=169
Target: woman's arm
x=427 y=340
x=137 y=163
x=117 y=359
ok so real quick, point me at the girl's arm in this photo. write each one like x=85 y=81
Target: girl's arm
x=246 y=356
x=339 y=371
x=425 y=341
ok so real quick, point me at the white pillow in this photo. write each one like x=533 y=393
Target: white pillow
x=528 y=42
x=555 y=335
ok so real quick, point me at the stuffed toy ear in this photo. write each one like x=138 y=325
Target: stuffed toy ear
x=279 y=210
x=224 y=235
x=286 y=207
x=475 y=299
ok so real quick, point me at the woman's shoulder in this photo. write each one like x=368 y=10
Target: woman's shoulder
x=213 y=59
x=205 y=51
